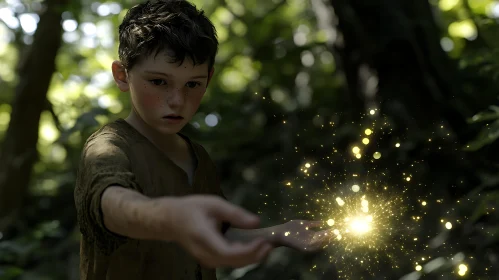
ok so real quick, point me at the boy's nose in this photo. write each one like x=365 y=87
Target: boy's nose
x=175 y=98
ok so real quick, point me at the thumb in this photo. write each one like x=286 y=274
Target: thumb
x=235 y=215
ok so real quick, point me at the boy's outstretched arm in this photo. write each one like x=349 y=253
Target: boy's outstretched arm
x=296 y=234
x=192 y=221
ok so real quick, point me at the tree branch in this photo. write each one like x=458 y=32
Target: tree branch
x=19 y=151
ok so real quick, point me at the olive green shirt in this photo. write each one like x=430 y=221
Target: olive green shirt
x=117 y=154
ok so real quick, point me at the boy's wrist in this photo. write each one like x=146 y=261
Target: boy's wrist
x=159 y=218
x=276 y=235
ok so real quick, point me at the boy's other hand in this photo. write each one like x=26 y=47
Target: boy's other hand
x=197 y=228
x=300 y=235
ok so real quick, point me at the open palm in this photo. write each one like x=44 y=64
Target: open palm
x=300 y=235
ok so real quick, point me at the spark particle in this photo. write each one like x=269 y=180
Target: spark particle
x=355 y=188
x=377 y=155
x=368 y=132
x=340 y=201
x=355 y=150
x=462 y=269
x=448 y=225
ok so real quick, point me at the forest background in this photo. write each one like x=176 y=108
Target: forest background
x=316 y=107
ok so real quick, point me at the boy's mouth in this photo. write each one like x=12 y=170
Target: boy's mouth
x=173 y=117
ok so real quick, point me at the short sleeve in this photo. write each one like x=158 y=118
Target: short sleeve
x=105 y=162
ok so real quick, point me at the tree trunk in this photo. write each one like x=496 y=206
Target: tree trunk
x=400 y=41
x=419 y=87
x=19 y=149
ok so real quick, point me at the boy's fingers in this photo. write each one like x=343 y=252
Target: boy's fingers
x=235 y=215
x=313 y=224
x=323 y=236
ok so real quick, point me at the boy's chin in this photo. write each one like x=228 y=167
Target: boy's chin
x=169 y=129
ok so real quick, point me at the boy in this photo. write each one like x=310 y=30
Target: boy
x=148 y=199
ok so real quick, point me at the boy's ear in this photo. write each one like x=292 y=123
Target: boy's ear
x=210 y=75
x=120 y=75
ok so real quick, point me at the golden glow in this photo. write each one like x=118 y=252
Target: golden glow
x=364 y=207
x=462 y=269
x=330 y=222
x=360 y=225
x=361 y=221
x=355 y=150
x=340 y=201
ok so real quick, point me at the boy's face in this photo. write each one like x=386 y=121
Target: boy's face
x=165 y=95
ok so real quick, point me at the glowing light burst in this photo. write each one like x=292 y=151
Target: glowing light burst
x=367 y=227
x=365 y=211
x=374 y=208
x=358 y=221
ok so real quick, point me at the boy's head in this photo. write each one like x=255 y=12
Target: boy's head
x=173 y=25
x=167 y=50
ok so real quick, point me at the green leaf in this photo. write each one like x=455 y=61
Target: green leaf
x=493 y=114
x=10 y=272
x=484 y=206
x=487 y=135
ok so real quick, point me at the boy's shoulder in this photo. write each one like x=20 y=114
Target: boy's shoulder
x=120 y=135
x=116 y=132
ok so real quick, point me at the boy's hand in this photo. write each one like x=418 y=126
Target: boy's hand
x=300 y=235
x=197 y=222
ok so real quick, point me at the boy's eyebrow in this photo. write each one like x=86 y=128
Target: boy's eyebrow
x=167 y=75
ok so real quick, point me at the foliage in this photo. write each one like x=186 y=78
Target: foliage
x=280 y=98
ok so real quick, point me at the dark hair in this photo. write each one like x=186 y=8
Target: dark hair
x=176 y=27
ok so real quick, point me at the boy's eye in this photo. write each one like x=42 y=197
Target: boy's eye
x=193 y=84
x=158 y=82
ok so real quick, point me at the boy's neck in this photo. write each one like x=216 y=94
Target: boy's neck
x=163 y=141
